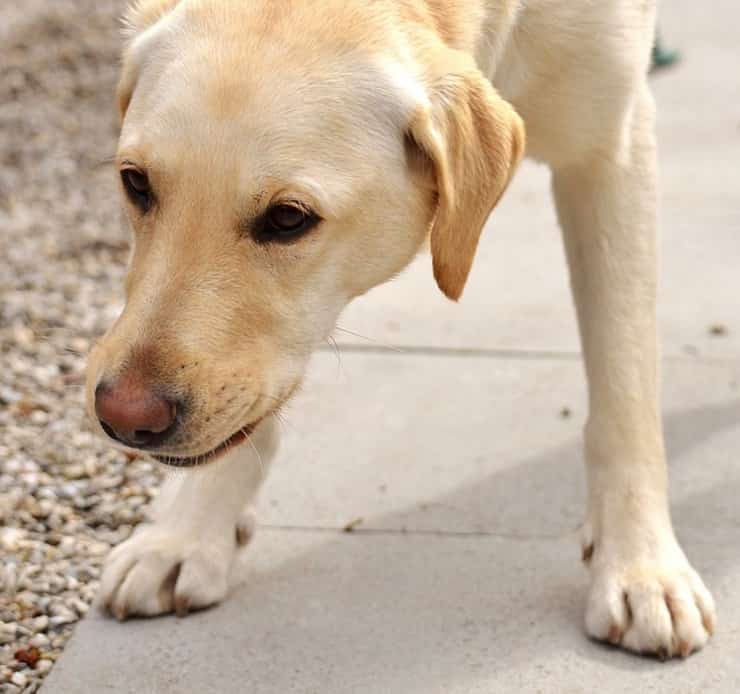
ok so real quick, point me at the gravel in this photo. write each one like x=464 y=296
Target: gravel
x=65 y=496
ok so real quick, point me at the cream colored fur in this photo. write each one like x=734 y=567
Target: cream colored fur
x=394 y=119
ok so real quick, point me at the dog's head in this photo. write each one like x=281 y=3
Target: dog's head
x=276 y=160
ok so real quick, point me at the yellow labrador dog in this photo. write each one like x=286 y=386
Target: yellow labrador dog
x=281 y=157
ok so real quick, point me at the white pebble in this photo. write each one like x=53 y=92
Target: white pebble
x=44 y=665
x=41 y=623
x=62 y=619
x=9 y=579
x=74 y=471
x=10 y=538
x=80 y=606
x=19 y=678
x=7 y=632
x=39 y=417
x=39 y=640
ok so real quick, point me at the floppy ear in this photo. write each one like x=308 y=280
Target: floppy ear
x=473 y=140
x=138 y=19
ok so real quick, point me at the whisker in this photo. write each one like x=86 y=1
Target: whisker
x=282 y=421
x=259 y=457
x=270 y=397
x=338 y=354
x=393 y=348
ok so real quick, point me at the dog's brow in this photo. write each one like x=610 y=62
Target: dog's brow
x=314 y=192
x=301 y=189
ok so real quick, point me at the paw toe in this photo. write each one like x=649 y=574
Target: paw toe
x=664 y=618
x=651 y=628
x=155 y=573
x=607 y=616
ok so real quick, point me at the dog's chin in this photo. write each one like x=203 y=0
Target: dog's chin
x=209 y=456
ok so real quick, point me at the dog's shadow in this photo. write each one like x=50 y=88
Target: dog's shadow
x=380 y=611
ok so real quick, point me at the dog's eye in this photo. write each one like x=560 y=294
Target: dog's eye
x=137 y=187
x=285 y=222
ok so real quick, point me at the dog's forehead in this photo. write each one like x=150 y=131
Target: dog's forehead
x=331 y=119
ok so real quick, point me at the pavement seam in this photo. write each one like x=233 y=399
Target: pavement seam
x=338 y=530
x=495 y=353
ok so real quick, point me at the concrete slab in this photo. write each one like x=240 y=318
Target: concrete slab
x=464 y=577
x=474 y=444
x=397 y=614
x=518 y=297
x=698 y=117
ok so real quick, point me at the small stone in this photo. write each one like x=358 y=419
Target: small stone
x=10 y=538
x=10 y=613
x=75 y=471
x=29 y=656
x=59 y=609
x=39 y=624
x=61 y=620
x=57 y=584
x=40 y=586
x=9 y=579
x=9 y=395
x=91 y=467
x=19 y=679
x=43 y=666
x=80 y=606
x=39 y=640
x=39 y=417
x=7 y=632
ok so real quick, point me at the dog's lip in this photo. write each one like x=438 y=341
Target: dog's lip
x=235 y=439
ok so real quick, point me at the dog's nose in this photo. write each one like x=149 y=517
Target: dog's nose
x=133 y=413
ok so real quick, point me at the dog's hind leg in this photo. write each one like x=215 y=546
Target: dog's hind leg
x=183 y=558
x=644 y=595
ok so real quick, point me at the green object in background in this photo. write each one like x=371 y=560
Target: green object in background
x=662 y=57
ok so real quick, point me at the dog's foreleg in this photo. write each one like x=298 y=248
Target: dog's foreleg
x=183 y=558
x=644 y=595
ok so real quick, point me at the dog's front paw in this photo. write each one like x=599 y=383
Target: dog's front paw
x=161 y=569
x=653 y=605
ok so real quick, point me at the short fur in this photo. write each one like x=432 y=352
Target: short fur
x=394 y=120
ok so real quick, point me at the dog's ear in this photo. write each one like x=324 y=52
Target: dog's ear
x=138 y=20
x=473 y=140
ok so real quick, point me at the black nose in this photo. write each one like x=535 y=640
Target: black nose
x=132 y=412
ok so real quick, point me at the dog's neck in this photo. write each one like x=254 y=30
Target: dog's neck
x=479 y=28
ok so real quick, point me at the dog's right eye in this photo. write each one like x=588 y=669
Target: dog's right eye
x=136 y=184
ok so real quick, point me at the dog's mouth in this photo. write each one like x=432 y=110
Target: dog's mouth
x=209 y=456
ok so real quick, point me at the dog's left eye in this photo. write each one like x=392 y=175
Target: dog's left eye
x=286 y=221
